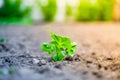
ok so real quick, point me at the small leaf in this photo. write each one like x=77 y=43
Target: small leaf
x=2 y=40
x=74 y=44
x=61 y=56
x=55 y=58
x=47 y=48
x=66 y=40
x=55 y=37
x=71 y=52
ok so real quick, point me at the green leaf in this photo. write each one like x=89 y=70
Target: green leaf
x=55 y=37
x=55 y=58
x=70 y=52
x=66 y=42
x=61 y=56
x=74 y=46
x=47 y=48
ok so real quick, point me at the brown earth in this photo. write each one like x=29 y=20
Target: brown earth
x=97 y=56
x=98 y=46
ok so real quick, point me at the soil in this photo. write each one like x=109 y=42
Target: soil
x=97 y=56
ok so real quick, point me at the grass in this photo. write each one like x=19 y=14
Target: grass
x=101 y=10
x=49 y=9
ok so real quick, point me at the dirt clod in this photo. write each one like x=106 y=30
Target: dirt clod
x=99 y=66
x=109 y=58
x=42 y=62
x=97 y=74
x=58 y=66
x=69 y=58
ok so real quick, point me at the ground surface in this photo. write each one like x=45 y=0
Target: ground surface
x=97 y=56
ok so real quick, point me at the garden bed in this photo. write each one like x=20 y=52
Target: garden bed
x=97 y=56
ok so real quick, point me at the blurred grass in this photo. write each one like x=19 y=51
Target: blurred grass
x=11 y=12
x=106 y=9
x=49 y=9
x=69 y=12
x=23 y=21
x=99 y=10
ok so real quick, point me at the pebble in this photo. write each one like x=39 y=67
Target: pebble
x=42 y=62
x=58 y=66
x=69 y=58
x=36 y=61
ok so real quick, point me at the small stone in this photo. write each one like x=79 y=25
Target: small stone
x=58 y=66
x=99 y=66
x=49 y=59
x=69 y=58
x=42 y=62
x=89 y=62
x=97 y=74
x=36 y=61
x=93 y=53
x=106 y=68
x=44 y=70
x=109 y=59
x=84 y=72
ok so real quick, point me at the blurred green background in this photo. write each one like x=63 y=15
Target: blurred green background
x=95 y=10
x=19 y=11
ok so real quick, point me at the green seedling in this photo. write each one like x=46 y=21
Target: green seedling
x=60 y=47
x=2 y=40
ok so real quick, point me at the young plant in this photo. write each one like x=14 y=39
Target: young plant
x=2 y=40
x=60 y=47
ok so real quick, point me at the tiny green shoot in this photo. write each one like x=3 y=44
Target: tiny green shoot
x=60 y=47
x=2 y=40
